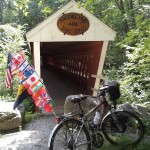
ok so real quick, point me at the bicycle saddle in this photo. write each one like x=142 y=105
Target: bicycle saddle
x=78 y=98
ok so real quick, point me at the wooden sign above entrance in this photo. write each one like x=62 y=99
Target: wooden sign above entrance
x=73 y=24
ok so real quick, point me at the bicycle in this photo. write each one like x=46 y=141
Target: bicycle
x=76 y=131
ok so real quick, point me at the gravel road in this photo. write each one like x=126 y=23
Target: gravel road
x=33 y=137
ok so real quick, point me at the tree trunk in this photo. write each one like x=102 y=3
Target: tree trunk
x=1 y=13
x=120 y=5
x=133 y=13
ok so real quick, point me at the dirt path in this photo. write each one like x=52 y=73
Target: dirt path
x=33 y=137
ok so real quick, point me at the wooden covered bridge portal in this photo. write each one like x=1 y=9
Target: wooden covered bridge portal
x=70 y=46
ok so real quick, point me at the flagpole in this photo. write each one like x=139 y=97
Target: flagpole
x=54 y=114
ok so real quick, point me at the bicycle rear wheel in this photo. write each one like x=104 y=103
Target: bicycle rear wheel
x=132 y=129
x=70 y=135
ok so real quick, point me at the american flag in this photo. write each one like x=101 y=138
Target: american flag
x=10 y=71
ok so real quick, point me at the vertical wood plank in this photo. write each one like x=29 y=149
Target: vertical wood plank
x=100 y=66
x=37 y=57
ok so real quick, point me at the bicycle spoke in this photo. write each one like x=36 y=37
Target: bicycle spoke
x=71 y=136
x=132 y=129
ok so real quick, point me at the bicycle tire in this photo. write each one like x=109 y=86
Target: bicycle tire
x=66 y=133
x=133 y=129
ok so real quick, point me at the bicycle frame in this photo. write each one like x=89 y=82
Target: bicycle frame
x=104 y=105
x=86 y=122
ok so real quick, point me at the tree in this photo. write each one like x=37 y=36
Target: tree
x=11 y=41
x=136 y=71
x=127 y=56
x=3 y=7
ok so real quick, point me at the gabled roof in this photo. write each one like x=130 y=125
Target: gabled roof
x=47 y=31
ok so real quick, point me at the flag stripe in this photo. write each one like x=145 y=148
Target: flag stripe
x=8 y=78
x=10 y=71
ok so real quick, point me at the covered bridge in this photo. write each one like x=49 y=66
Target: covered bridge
x=70 y=46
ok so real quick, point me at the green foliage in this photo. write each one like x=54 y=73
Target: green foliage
x=11 y=41
x=146 y=122
x=8 y=94
x=32 y=12
x=136 y=70
x=28 y=104
x=143 y=145
x=29 y=110
x=29 y=116
x=127 y=57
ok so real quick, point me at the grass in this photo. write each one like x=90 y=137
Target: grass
x=143 y=145
x=29 y=116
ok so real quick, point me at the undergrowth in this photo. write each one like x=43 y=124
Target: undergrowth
x=143 y=145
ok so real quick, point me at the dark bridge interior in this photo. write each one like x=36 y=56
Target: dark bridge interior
x=67 y=67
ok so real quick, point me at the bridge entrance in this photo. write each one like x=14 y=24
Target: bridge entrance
x=70 y=46
x=75 y=62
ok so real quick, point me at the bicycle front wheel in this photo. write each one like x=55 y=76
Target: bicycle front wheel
x=128 y=130
x=70 y=135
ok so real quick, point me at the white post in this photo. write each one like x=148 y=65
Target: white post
x=36 y=52
x=100 y=67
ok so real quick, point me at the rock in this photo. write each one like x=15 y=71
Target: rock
x=145 y=111
x=9 y=119
x=34 y=136
x=136 y=109
x=87 y=104
x=90 y=102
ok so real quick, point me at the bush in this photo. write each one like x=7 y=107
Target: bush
x=12 y=40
